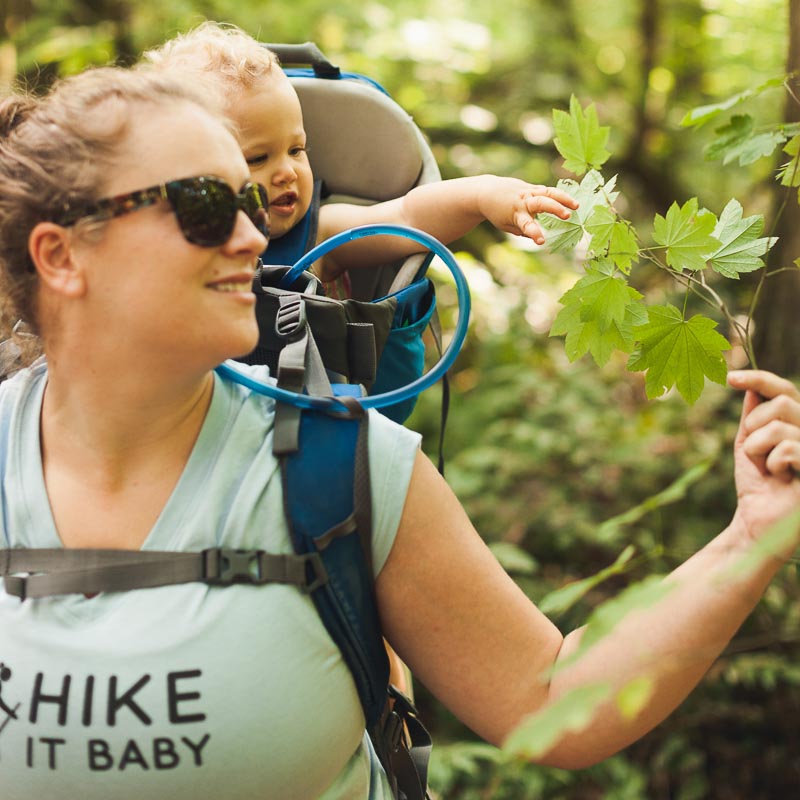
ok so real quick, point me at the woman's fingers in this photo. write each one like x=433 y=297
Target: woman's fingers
x=784 y=460
x=769 y=433
x=767 y=384
x=765 y=437
x=781 y=407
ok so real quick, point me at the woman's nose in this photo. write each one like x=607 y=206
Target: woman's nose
x=246 y=237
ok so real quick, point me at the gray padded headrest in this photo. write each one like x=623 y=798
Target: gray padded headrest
x=360 y=141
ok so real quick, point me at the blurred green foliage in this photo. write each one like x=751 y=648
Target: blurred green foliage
x=543 y=452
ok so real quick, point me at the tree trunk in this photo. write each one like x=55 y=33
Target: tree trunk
x=776 y=338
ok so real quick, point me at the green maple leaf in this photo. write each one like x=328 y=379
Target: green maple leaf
x=686 y=232
x=681 y=353
x=564 y=598
x=737 y=141
x=599 y=316
x=602 y=621
x=613 y=237
x=633 y=698
x=580 y=139
x=601 y=225
x=537 y=733
x=702 y=114
x=759 y=146
x=789 y=173
x=731 y=135
x=603 y=298
x=564 y=234
x=741 y=249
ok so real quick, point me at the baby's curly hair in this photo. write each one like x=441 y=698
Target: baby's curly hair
x=217 y=51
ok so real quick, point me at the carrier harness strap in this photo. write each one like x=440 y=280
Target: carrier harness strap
x=87 y=571
x=300 y=367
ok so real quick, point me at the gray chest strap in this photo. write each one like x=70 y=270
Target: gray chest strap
x=54 y=571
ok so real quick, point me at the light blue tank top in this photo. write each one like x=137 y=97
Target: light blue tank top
x=183 y=692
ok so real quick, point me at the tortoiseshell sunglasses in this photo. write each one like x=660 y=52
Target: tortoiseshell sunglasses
x=205 y=207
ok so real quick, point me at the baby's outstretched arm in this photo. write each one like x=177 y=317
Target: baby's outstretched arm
x=446 y=210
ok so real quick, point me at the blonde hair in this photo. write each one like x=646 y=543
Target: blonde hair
x=218 y=52
x=55 y=151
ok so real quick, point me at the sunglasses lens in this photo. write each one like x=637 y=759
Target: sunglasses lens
x=255 y=205
x=205 y=208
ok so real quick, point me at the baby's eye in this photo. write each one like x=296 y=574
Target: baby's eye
x=253 y=160
x=296 y=151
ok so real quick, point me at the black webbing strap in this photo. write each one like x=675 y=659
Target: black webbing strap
x=362 y=493
x=404 y=742
x=87 y=571
x=435 y=326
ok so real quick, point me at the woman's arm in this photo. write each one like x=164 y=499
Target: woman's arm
x=473 y=638
x=445 y=210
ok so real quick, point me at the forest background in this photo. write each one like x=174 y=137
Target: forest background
x=569 y=472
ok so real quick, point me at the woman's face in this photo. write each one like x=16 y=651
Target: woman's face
x=172 y=298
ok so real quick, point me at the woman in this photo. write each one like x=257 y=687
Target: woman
x=125 y=438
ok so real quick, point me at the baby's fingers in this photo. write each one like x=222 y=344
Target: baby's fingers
x=559 y=203
x=558 y=195
x=529 y=227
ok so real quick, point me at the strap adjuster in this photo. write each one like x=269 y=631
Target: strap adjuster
x=15 y=585
x=316 y=574
x=291 y=316
x=223 y=566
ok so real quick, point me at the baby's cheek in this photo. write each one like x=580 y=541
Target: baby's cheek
x=259 y=173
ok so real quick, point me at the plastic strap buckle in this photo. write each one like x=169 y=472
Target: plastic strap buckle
x=223 y=566
x=316 y=574
x=291 y=317
x=15 y=585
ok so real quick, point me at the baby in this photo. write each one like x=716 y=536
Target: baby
x=268 y=121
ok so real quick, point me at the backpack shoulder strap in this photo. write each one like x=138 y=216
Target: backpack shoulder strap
x=328 y=508
x=327 y=503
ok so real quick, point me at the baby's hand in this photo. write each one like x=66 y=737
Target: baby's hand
x=511 y=205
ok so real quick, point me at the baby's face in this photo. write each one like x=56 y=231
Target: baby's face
x=273 y=140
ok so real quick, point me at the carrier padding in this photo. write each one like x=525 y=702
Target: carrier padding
x=361 y=143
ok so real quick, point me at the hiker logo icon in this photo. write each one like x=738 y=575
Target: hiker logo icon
x=11 y=713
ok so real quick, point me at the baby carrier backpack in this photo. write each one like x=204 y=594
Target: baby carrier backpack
x=332 y=360
x=363 y=148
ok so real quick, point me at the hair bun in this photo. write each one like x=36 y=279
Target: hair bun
x=13 y=110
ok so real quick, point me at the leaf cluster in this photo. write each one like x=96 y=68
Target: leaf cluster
x=602 y=313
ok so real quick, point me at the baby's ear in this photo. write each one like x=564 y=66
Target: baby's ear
x=50 y=249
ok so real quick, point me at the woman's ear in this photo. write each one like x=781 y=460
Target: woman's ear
x=50 y=249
